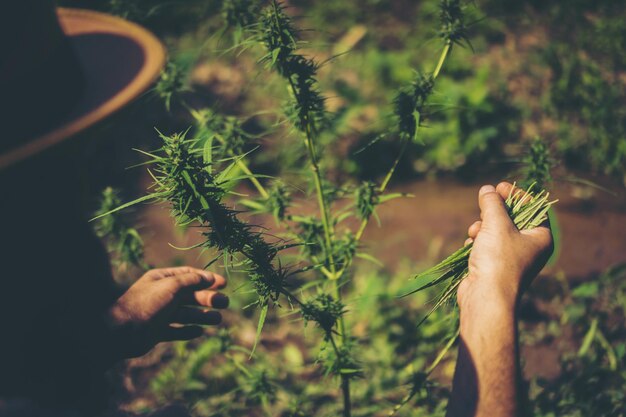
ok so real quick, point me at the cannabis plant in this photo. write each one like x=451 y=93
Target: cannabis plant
x=121 y=238
x=195 y=172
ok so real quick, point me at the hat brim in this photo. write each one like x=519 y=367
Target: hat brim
x=119 y=60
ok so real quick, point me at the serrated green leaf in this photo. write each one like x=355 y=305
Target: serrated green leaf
x=259 y=327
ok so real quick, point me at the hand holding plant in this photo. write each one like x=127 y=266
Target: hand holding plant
x=143 y=315
x=503 y=260
x=512 y=248
x=508 y=249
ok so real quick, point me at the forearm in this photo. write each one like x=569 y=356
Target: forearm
x=486 y=377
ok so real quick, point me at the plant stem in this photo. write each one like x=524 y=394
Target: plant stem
x=442 y=58
x=347 y=403
x=383 y=186
x=442 y=353
x=328 y=233
x=317 y=177
x=328 y=236
x=321 y=199
x=242 y=165
x=345 y=382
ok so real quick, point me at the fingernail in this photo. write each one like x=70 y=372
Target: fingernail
x=486 y=189
x=220 y=301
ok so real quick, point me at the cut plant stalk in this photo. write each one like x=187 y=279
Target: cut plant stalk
x=527 y=211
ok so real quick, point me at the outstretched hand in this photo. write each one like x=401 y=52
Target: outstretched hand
x=164 y=305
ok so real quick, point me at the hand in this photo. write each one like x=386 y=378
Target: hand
x=504 y=260
x=163 y=306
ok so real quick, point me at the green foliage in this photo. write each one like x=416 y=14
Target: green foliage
x=323 y=310
x=280 y=38
x=184 y=373
x=183 y=179
x=171 y=83
x=278 y=201
x=590 y=109
x=438 y=124
x=591 y=380
x=122 y=240
x=227 y=133
x=537 y=165
x=366 y=199
x=469 y=126
x=452 y=21
x=192 y=172
x=410 y=104
x=239 y=13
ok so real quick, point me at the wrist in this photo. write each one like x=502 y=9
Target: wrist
x=492 y=291
x=481 y=318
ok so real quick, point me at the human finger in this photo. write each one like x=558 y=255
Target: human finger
x=208 y=298
x=191 y=315
x=194 y=281
x=219 y=280
x=174 y=272
x=468 y=241
x=505 y=189
x=172 y=333
x=160 y=273
x=493 y=212
x=474 y=228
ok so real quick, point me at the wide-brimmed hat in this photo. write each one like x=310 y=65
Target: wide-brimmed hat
x=63 y=70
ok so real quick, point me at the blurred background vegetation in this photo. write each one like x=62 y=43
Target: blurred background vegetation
x=554 y=70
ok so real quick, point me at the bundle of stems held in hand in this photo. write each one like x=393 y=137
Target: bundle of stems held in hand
x=526 y=209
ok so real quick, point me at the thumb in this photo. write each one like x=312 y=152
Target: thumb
x=493 y=211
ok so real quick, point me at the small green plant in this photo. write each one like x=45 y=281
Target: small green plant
x=122 y=240
x=171 y=83
x=537 y=165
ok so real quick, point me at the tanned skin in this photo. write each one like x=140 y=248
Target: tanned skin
x=164 y=305
x=502 y=264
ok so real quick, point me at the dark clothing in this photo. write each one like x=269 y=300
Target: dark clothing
x=55 y=287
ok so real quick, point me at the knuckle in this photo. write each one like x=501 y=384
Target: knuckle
x=208 y=276
x=173 y=285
